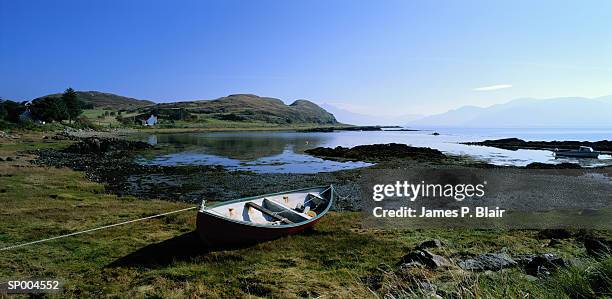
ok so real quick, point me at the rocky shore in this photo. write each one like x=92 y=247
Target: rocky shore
x=515 y=144
x=378 y=152
x=112 y=162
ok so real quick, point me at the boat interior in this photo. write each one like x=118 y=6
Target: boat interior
x=281 y=209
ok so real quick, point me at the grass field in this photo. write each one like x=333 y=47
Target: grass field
x=163 y=258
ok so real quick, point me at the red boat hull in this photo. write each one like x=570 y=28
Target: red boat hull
x=217 y=231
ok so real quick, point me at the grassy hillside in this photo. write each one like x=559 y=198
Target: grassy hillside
x=247 y=108
x=236 y=111
x=96 y=99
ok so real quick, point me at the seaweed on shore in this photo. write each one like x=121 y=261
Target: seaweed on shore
x=378 y=152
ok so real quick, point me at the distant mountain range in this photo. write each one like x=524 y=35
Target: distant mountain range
x=565 y=112
x=348 y=117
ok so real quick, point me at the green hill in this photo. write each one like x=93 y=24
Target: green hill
x=96 y=99
x=246 y=107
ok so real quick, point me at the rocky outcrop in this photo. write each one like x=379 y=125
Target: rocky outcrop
x=540 y=264
x=377 y=152
x=94 y=145
x=515 y=144
x=433 y=243
x=555 y=233
x=564 y=165
x=488 y=261
x=422 y=257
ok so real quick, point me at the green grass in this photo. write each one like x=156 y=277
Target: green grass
x=162 y=258
x=96 y=116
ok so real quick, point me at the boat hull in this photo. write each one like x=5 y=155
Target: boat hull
x=576 y=155
x=217 y=231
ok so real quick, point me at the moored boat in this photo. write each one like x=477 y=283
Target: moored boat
x=582 y=152
x=263 y=218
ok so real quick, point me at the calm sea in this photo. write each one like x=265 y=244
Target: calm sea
x=283 y=152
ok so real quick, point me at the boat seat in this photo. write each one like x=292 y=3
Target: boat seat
x=283 y=210
x=268 y=212
x=316 y=200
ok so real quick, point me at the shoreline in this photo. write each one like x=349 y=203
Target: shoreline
x=117 y=170
x=516 y=144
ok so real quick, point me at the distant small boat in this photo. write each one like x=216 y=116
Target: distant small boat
x=582 y=152
x=263 y=218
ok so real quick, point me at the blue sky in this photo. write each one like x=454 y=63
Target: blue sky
x=378 y=57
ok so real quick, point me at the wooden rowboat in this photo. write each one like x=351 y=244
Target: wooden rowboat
x=263 y=218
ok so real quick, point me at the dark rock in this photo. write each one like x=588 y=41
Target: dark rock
x=555 y=233
x=515 y=143
x=544 y=264
x=488 y=261
x=554 y=242
x=435 y=134
x=1 y=159
x=597 y=247
x=564 y=165
x=425 y=258
x=433 y=243
x=523 y=259
x=377 y=152
x=318 y=130
x=94 y=145
x=9 y=159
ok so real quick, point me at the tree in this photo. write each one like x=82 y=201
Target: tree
x=50 y=109
x=10 y=111
x=72 y=103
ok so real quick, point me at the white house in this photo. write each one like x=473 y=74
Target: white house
x=151 y=121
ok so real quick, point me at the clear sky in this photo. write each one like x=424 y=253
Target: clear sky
x=379 y=57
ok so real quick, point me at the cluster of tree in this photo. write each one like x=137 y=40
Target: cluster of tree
x=65 y=107
x=106 y=114
x=48 y=109
x=10 y=111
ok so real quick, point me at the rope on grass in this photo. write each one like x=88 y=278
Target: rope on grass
x=96 y=229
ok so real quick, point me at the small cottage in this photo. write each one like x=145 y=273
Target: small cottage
x=151 y=121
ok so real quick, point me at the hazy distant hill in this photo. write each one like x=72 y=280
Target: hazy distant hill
x=98 y=99
x=248 y=107
x=348 y=117
x=555 y=112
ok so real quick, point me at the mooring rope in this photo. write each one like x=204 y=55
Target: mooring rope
x=96 y=229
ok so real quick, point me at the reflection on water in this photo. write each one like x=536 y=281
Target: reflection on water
x=264 y=152
x=284 y=151
x=245 y=146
